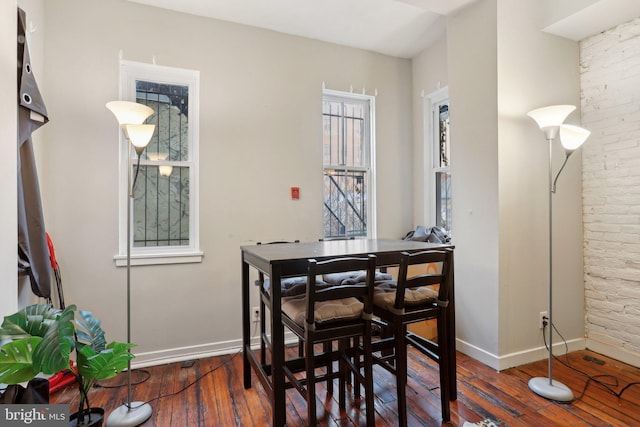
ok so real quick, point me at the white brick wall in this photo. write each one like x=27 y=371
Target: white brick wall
x=610 y=81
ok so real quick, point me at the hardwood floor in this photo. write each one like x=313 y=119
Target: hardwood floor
x=219 y=398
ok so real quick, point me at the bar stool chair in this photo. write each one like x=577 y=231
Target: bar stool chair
x=326 y=314
x=410 y=300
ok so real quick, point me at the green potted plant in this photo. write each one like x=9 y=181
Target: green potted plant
x=43 y=338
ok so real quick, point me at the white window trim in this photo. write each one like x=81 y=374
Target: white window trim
x=431 y=101
x=129 y=72
x=372 y=225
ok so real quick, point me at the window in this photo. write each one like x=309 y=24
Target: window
x=165 y=198
x=348 y=156
x=438 y=151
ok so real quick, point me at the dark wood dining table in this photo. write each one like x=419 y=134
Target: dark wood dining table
x=291 y=259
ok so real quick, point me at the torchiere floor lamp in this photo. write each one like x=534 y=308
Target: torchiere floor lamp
x=550 y=120
x=130 y=116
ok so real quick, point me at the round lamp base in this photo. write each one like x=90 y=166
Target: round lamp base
x=125 y=417
x=553 y=390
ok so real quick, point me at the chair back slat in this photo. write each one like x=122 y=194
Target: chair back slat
x=323 y=292
x=359 y=290
x=443 y=257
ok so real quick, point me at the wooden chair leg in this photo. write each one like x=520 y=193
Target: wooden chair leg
x=401 y=373
x=263 y=331
x=311 y=384
x=368 y=380
x=344 y=372
x=327 y=348
x=358 y=365
x=386 y=332
x=444 y=368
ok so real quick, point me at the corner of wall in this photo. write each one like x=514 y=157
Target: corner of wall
x=8 y=166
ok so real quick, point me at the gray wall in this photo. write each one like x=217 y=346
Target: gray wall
x=260 y=133
x=473 y=93
x=536 y=69
x=500 y=67
x=8 y=168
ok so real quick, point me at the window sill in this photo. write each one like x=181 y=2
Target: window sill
x=159 y=258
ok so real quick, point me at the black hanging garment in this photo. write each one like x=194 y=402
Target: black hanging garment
x=37 y=392
x=33 y=253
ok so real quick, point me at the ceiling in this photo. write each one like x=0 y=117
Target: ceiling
x=595 y=17
x=400 y=28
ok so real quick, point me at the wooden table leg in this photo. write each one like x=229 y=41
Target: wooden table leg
x=451 y=314
x=277 y=350
x=246 y=326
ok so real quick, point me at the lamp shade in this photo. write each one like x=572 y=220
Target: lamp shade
x=157 y=156
x=139 y=135
x=573 y=137
x=129 y=112
x=165 y=170
x=551 y=116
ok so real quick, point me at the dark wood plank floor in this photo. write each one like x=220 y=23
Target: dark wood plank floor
x=219 y=398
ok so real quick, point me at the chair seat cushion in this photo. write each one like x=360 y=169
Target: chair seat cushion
x=384 y=294
x=352 y=277
x=326 y=311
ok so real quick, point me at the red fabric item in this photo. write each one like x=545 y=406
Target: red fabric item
x=62 y=378
x=52 y=253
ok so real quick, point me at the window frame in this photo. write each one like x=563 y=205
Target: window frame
x=431 y=105
x=370 y=154
x=130 y=72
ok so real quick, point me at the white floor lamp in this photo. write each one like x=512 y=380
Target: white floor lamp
x=130 y=116
x=550 y=120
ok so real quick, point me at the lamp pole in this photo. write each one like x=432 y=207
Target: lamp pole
x=550 y=313
x=129 y=198
x=548 y=387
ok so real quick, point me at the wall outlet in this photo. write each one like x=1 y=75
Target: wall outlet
x=256 y=313
x=544 y=318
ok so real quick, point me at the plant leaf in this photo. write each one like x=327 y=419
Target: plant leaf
x=90 y=332
x=105 y=364
x=33 y=320
x=52 y=355
x=16 y=364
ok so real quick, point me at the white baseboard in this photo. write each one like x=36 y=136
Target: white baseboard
x=614 y=352
x=477 y=353
x=180 y=354
x=500 y=363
